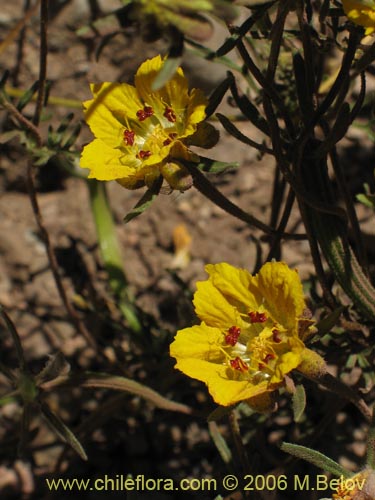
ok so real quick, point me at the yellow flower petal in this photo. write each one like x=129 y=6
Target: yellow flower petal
x=237 y=284
x=282 y=291
x=174 y=93
x=104 y=162
x=361 y=12
x=105 y=113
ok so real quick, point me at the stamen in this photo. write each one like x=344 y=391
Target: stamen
x=276 y=335
x=238 y=364
x=232 y=336
x=144 y=154
x=170 y=115
x=144 y=113
x=129 y=137
x=257 y=317
x=266 y=360
x=172 y=137
x=269 y=357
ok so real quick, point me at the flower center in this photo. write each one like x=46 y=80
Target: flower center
x=153 y=132
x=252 y=351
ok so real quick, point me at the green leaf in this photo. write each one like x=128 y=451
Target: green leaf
x=27 y=96
x=316 y=458
x=249 y=110
x=146 y=200
x=220 y=443
x=231 y=42
x=219 y=413
x=213 y=166
x=111 y=253
x=367 y=199
x=56 y=365
x=370 y=452
x=233 y=130
x=218 y=94
x=299 y=403
x=326 y=324
x=169 y=68
x=62 y=430
x=118 y=383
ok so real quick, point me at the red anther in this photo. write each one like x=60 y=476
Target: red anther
x=276 y=335
x=129 y=137
x=144 y=113
x=144 y=154
x=257 y=317
x=170 y=115
x=232 y=336
x=172 y=137
x=269 y=357
x=261 y=366
x=238 y=364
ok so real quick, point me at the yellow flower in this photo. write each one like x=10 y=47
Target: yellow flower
x=361 y=12
x=140 y=133
x=358 y=487
x=250 y=335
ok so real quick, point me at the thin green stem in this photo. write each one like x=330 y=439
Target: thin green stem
x=42 y=61
x=111 y=254
x=15 y=337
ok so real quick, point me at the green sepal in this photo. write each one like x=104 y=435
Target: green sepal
x=144 y=203
x=219 y=413
x=299 y=403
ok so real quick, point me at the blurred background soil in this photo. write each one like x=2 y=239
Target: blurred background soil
x=130 y=436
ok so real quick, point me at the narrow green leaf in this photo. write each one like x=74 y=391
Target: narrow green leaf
x=27 y=96
x=15 y=337
x=367 y=199
x=299 y=403
x=220 y=443
x=218 y=94
x=56 y=365
x=70 y=137
x=167 y=72
x=144 y=203
x=249 y=110
x=231 y=42
x=219 y=413
x=339 y=129
x=370 y=452
x=316 y=458
x=110 y=252
x=326 y=324
x=65 y=122
x=304 y=90
x=25 y=436
x=213 y=166
x=62 y=430
x=118 y=383
x=206 y=53
x=233 y=130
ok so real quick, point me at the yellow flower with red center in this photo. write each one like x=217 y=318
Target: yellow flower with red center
x=361 y=12
x=251 y=333
x=142 y=134
x=361 y=486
